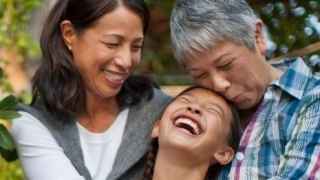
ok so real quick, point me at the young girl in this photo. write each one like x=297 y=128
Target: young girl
x=197 y=133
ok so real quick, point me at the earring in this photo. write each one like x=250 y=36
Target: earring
x=69 y=47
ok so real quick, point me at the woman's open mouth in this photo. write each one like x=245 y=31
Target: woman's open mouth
x=115 y=78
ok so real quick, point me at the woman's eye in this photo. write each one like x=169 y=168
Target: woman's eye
x=136 y=47
x=112 y=45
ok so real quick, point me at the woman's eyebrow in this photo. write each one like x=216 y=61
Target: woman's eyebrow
x=114 y=35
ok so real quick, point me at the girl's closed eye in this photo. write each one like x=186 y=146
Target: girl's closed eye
x=212 y=110
x=184 y=99
x=216 y=110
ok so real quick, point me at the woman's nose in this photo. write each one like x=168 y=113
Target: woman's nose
x=124 y=59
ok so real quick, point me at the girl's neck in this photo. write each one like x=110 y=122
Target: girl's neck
x=171 y=167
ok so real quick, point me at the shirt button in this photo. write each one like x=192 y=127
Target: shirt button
x=239 y=156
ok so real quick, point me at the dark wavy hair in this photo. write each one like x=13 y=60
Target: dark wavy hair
x=57 y=82
x=213 y=171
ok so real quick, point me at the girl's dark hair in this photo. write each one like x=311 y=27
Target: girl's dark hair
x=233 y=141
x=57 y=82
x=213 y=171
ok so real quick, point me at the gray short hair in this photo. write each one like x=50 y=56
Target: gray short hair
x=196 y=25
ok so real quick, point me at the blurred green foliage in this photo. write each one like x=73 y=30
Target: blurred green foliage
x=8 y=152
x=14 y=36
x=7 y=112
x=14 y=18
x=293 y=24
x=10 y=171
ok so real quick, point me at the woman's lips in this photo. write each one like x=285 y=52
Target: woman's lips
x=115 y=79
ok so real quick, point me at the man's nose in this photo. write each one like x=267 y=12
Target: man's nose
x=219 y=83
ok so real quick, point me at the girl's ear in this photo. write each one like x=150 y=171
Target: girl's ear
x=68 y=33
x=156 y=129
x=224 y=156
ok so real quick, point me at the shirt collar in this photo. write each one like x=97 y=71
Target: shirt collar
x=295 y=78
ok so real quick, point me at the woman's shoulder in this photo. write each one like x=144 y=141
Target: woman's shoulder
x=151 y=108
x=27 y=128
x=25 y=119
x=160 y=96
x=157 y=101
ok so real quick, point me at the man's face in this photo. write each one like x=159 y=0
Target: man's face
x=239 y=74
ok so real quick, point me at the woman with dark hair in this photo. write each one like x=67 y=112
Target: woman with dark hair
x=90 y=117
x=198 y=133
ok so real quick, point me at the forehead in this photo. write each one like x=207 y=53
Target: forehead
x=207 y=96
x=203 y=59
x=210 y=98
x=121 y=18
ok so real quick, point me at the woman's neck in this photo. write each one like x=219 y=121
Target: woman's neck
x=171 y=167
x=100 y=114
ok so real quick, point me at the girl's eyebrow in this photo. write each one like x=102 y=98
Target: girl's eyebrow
x=184 y=96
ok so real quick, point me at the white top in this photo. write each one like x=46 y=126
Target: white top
x=42 y=158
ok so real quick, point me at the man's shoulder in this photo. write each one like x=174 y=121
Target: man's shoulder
x=295 y=63
x=298 y=78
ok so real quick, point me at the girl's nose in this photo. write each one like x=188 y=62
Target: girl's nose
x=194 y=110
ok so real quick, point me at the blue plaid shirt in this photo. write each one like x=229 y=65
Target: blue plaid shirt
x=282 y=139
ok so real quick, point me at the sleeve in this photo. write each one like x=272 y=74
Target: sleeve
x=301 y=159
x=40 y=155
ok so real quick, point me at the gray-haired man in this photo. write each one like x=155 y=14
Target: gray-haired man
x=221 y=45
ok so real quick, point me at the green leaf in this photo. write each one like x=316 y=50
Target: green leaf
x=8 y=115
x=8 y=103
x=6 y=141
x=9 y=155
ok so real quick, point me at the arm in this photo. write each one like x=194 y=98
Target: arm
x=301 y=158
x=39 y=153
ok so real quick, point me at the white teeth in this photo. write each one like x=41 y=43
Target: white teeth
x=190 y=123
x=114 y=77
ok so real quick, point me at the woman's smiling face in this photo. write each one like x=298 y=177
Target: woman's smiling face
x=107 y=53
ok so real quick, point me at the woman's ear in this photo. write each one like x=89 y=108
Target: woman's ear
x=68 y=33
x=224 y=156
x=156 y=129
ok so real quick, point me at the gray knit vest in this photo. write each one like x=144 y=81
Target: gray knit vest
x=129 y=163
